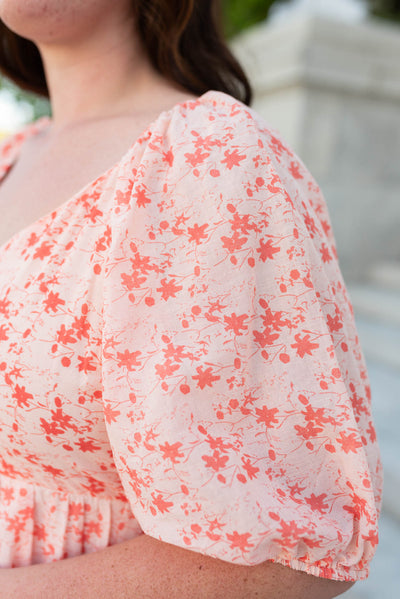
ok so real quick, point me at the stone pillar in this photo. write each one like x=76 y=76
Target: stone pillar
x=332 y=89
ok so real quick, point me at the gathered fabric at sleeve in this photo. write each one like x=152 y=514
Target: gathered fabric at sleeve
x=236 y=395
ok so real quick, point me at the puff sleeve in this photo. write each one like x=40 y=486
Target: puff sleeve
x=236 y=394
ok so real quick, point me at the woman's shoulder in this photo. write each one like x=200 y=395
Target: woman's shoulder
x=216 y=141
x=217 y=112
x=218 y=136
x=218 y=126
x=220 y=149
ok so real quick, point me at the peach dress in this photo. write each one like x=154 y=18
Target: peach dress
x=178 y=356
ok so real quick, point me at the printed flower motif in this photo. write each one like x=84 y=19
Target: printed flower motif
x=233 y=158
x=172 y=451
x=240 y=541
x=267 y=416
x=349 y=442
x=235 y=323
x=43 y=250
x=205 y=377
x=128 y=359
x=267 y=250
x=178 y=354
x=303 y=345
x=168 y=288
x=198 y=233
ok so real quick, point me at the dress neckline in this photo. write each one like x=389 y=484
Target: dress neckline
x=17 y=140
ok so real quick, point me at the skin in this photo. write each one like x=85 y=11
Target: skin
x=79 y=43
x=102 y=87
x=93 y=62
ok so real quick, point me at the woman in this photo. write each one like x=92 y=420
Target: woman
x=185 y=409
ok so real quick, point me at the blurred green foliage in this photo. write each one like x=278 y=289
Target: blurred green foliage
x=241 y=14
x=385 y=9
x=40 y=106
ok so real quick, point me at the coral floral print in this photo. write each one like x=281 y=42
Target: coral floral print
x=178 y=356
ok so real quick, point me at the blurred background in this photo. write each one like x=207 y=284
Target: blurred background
x=326 y=75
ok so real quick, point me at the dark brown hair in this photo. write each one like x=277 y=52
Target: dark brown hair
x=184 y=40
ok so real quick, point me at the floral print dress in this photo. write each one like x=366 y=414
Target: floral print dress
x=178 y=356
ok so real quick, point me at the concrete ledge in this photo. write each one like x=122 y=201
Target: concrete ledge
x=358 y=58
x=391 y=494
x=386 y=274
x=376 y=303
x=380 y=343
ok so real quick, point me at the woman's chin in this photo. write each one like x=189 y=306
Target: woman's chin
x=32 y=19
x=50 y=21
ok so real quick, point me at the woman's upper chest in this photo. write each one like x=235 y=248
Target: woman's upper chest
x=45 y=176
